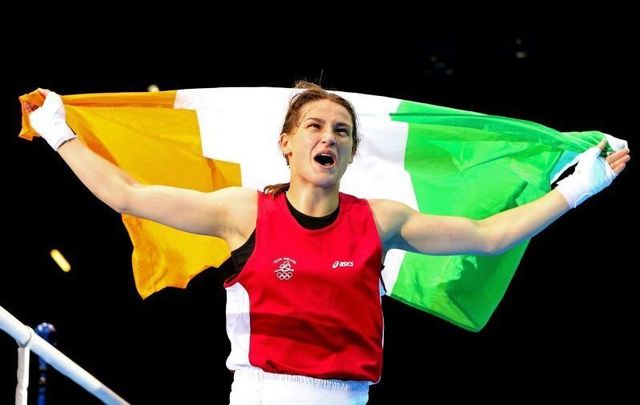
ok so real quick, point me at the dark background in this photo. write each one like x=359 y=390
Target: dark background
x=564 y=328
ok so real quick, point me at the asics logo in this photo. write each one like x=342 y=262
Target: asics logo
x=339 y=263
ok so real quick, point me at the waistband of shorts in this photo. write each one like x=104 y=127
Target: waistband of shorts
x=257 y=375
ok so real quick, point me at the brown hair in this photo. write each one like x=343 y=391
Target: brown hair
x=312 y=92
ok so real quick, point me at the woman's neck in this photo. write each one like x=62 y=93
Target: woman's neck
x=313 y=201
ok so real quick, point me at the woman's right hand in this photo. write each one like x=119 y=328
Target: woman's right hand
x=49 y=121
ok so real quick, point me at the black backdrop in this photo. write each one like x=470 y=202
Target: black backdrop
x=562 y=330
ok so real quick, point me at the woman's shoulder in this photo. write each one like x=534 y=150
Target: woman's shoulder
x=237 y=198
x=388 y=211
x=238 y=192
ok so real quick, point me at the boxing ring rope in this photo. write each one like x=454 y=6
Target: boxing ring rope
x=27 y=340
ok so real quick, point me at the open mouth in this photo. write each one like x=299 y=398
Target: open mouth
x=325 y=159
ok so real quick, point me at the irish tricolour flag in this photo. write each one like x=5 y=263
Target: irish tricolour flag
x=435 y=159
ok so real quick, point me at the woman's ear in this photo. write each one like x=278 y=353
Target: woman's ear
x=285 y=146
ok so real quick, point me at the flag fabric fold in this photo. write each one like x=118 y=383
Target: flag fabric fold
x=435 y=159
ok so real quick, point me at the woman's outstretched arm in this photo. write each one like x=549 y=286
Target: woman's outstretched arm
x=401 y=227
x=209 y=213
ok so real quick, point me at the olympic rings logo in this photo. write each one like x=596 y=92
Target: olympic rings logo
x=284 y=271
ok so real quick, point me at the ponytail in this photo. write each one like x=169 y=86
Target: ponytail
x=275 y=189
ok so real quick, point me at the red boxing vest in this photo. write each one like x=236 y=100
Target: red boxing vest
x=307 y=302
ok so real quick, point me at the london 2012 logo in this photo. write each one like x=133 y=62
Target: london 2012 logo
x=285 y=268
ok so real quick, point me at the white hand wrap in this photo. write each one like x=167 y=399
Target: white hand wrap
x=591 y=175
x=49 y=121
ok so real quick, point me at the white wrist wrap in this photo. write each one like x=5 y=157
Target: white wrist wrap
x=49 y=121
x=591 y=175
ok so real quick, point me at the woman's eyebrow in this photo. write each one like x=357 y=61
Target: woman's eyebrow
x=322 y=121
